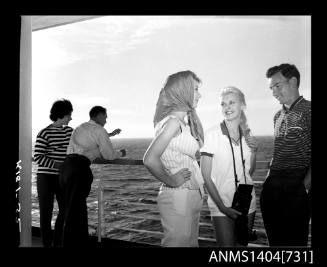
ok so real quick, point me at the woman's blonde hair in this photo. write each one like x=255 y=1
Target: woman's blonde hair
x=178 y=95
x=234 y=90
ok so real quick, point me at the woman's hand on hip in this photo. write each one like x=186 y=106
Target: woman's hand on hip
x=181 y=177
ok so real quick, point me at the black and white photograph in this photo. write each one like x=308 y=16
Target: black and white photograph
x=155 y=131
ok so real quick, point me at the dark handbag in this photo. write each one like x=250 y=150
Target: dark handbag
x=241 y=200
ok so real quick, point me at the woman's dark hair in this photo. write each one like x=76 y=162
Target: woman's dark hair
x=60 y=109
x=287 y=70
x=96 y=110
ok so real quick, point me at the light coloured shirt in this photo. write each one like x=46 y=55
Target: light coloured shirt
x=222 y=174
x=91 y=140
x=180 y=153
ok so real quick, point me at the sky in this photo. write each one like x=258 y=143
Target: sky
x=122 y=62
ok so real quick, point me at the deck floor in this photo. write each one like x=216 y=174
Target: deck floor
x=36 y=242
x=93 y=242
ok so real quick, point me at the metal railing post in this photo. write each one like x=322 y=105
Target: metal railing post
x=100 y=209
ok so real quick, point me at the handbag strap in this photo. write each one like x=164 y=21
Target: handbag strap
x=231 y=145
x=243 y=160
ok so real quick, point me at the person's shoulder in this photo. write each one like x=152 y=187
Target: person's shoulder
x=306 y=104
x=212 y=136
x=81 y=128
x=306 y=109
x=169 y=121
x=278 y=113
x=44 y=131
x=214 y=132
x=68 y=128
x=173 y=119
x=168 y=126
x=86 y=124
x=172 y=123
x=95 y=128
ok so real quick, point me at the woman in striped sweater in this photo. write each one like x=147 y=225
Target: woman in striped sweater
x=49 y=153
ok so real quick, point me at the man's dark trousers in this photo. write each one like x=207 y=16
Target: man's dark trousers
x=75 y=181
x=285 y=208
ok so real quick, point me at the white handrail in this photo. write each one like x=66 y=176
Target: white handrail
x=100 y=209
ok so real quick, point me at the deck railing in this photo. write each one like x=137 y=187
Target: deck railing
x=261 y=168
x=258 y=178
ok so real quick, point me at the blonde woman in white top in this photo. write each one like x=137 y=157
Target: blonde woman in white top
x=218 y=168
x=171 y=158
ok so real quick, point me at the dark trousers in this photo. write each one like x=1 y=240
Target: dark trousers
x=75 y=181
x=47 y=188
x=285 y=208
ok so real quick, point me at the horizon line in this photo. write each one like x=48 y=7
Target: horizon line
x=113 y=138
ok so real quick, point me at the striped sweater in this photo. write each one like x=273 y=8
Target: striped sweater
x=292 y=148
x=50 y=147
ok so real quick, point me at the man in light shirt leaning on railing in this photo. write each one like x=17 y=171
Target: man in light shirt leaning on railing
x=89 y=142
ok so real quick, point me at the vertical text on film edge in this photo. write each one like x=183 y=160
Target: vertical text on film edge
x=19 y=167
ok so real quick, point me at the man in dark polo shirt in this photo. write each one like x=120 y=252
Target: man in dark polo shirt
x=284 y=199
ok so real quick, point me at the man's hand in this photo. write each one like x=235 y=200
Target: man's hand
x=114 y=132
